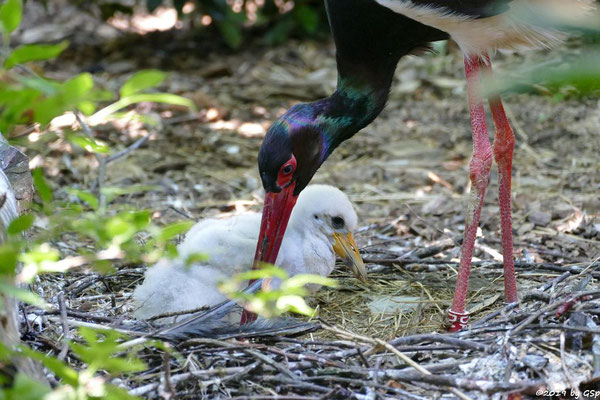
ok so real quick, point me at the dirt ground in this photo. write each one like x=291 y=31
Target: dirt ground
x=406 y=173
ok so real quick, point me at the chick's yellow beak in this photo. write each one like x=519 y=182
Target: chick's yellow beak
x=345 y=247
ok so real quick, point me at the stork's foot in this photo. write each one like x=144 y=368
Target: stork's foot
x=458 y=321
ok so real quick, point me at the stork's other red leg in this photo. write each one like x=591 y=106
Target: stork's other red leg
x=504 y=143
x=479 y=172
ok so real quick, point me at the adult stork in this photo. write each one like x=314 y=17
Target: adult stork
x=370 y=37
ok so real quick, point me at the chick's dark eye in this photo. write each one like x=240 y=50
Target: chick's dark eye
x=287 y=169
x=338 y=222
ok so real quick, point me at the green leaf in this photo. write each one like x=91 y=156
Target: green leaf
x=86 y=197
x=85 y=142
x=280 y=31
x=308 y=17
x=300 y=280
x=41 y=258
x=120 y=229
x=116 y=393
x=195 y=257
x=231 y=32
x=100 y=350
x=87 y=107
x=25 y=388
x=68 y=95
x=62 y=371
x=578 y=75
x=103 y=266
x=78 y=86
x=9 y=256
x=11 y=13
x=152 y=5
x=264 y=272
x=23 y=295
x=294 y=303
x=46 y=86
x=166 y=98
x=20 y=224
x=108 y=10
x=42 y=187
x=142 y=80
x=34 y=52
x=172 y=230
x=14 y=105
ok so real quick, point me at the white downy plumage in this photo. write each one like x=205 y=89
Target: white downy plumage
x=320 y=226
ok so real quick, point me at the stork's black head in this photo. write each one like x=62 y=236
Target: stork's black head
x=293 y=149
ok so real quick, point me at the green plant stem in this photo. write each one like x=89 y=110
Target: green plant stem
x=101 y=163
x=100 y=115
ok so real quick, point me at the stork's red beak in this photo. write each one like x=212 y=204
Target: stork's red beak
x=276 y=214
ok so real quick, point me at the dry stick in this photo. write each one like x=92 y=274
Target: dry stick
x=178 y=313
x=446 y=339
x=511 y=306
x=129 y=149
x=549 y=307
x=374 y=384
x=169 y=390
x=308 y=361
x=389 y=347
x=508 y=370
x=469 y=384
x=78 y=261
x=277 y=397
x=564 y=366
x=65 y=326
x=594 y=331
x=104 y=161
x=248 y=350
x=175 y=379
x=313 y=358
x=101 y=160
x=103 y=296
x=74 y=322
x=591 y=265
x=595 y=349
x=297 y=383
x=80 y=315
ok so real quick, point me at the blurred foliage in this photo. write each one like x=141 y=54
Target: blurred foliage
x=110 y=232
x=278 y=19
x=575 y=77
x=567 y=74
x=270 y=302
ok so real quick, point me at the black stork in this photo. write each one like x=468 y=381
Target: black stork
x=370 y=38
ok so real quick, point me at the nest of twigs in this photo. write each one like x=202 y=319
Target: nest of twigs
x=384 y=339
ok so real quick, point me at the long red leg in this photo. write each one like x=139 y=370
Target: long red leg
x=479 y=171
x=504 y=143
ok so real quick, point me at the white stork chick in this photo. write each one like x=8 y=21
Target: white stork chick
x=320 y=227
